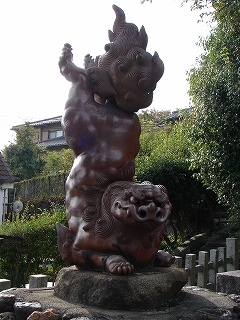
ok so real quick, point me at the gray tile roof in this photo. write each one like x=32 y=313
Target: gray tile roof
x=60 y=141
x=57 y=119
x=5 y=172
x=175 y=115
x=46 y=121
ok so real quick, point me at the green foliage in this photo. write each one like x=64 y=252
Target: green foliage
x=39 y=190
x=149 y=118
x=38 y=249
x=215 y=91
x=163 y=159
x=58 y=161
x=24 y=157
x=219 y=9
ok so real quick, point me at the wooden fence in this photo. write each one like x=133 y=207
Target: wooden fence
x=202 y=271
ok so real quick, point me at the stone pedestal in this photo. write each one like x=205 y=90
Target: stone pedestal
x=147 y=290
x=228 y=282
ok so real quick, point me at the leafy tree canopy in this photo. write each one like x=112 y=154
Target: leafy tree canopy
x=222 y=8
x=215 y=91
x=217 y=9
x=58 y=161
x=24 y=156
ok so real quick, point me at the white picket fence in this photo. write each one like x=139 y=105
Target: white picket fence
x=202 y=271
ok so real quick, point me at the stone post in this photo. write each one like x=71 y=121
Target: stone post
x=5 y=284
x=213 y=269
x=38 y=281
x=190 y=266
x=232 y=254
x=222 y=267
x=202 y=269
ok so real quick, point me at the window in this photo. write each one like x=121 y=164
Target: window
x=55 y=134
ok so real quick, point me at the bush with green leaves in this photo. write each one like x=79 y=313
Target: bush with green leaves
x=24 y=156
x=37 y=253
x=42 y=188
x=58 y=162
x=164 y=159
x=215 y=92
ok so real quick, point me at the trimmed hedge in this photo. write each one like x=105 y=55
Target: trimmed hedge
x=41 y=187
x=37 y=253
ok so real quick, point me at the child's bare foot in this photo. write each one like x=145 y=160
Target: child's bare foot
x=118 y=265
x=163 y=259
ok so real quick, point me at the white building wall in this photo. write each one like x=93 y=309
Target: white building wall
x=4 y=199
x=1 y=206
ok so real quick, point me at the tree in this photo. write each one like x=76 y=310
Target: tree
x=58 y=161
x=24 y=156
x=149 y=118
x=215 y=91
x=219 y=6
x=163 y=159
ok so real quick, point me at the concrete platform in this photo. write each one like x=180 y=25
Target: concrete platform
x=185 y=305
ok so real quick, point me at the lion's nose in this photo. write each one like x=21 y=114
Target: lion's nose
x=149 y=212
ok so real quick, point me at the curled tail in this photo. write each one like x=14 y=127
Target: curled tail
x=65 y=242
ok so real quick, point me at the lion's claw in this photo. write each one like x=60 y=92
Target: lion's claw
x=118 y=265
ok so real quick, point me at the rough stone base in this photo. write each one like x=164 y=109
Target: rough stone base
x=228 y=282
x=190 y=303
x=147 y=290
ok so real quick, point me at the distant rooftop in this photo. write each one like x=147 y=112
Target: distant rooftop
x=60 y=141
x=5 y=172
x=175 y=115
x=43 y=122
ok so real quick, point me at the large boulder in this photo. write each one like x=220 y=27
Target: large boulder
x=146 y=290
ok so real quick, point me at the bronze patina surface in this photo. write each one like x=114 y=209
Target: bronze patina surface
x=115 y=224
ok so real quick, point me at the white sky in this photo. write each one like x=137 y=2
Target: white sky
x=33 y=33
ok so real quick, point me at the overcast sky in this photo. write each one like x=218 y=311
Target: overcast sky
x=33 y=33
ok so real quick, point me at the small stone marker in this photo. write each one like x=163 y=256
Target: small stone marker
x=228 y=282
x=38 y=281
x=5 y=284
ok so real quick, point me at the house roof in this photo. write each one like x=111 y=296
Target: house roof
x=39 y=123
x=46 y=121
x=175 y=115
x=60 y=141
x=5 y=172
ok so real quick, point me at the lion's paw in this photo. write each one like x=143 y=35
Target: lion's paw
x=118 y=265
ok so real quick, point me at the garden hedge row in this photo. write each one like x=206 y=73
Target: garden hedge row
x=37 y=253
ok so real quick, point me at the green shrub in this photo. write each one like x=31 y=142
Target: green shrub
x=37 y=250
x=164 y=159
x=37 y=188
